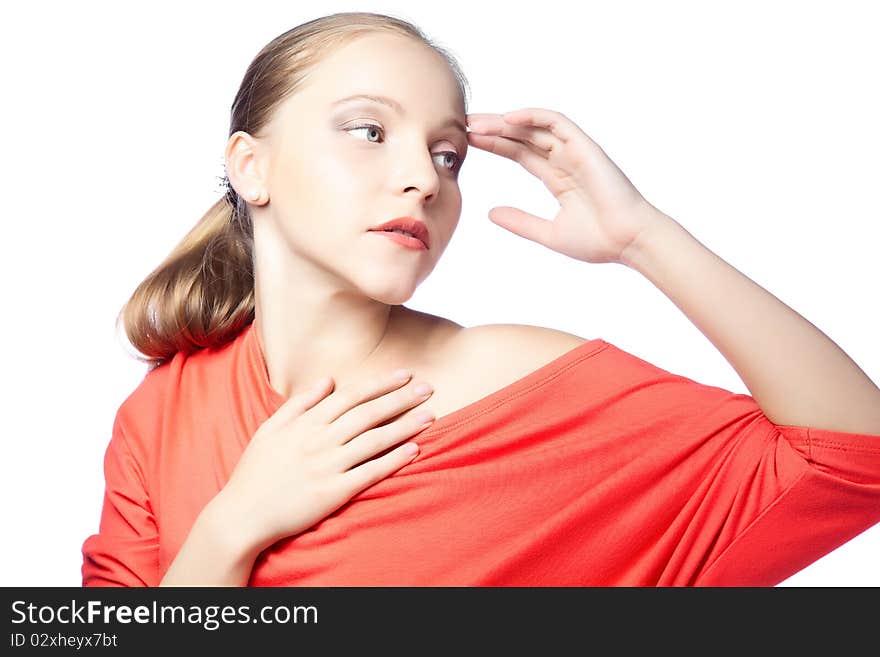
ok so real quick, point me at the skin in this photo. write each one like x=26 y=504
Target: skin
x=328 y=293
x=797 y=375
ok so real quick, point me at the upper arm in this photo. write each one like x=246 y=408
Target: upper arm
x=125 y=550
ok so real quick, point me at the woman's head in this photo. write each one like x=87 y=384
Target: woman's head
x=333 y=166
x=322 y=181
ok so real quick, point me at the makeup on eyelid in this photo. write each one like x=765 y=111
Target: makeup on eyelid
x=368 y=126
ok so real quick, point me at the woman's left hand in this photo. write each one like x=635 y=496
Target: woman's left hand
x=601 y=211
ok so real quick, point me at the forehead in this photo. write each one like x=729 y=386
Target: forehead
x=383 y=50
x=381 y=65
x=388 y=65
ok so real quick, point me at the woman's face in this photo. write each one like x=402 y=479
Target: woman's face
x=336 y=168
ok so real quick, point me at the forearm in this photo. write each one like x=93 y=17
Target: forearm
x=796 y=374
x=212 y=555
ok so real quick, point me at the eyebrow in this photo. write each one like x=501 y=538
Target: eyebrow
x=393 y=104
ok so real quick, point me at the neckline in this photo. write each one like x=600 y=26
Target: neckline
x=465 y=414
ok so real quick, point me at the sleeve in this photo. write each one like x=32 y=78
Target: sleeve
x=125 y=551
x=733 y=499
x=832 y=496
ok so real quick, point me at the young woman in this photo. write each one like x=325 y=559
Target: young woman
x=552 y=459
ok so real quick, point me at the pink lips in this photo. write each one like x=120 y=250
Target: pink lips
x=403 y=240
x=413 y=226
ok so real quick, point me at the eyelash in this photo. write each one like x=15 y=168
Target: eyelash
x=379 y=128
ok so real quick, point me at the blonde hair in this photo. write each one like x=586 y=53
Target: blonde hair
x=202 y=294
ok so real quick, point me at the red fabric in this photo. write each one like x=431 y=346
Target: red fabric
x=596 y=469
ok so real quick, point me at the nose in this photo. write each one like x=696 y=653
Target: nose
x=416 y=170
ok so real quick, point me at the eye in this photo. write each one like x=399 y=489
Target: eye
x=366 y=126
x=373 y=128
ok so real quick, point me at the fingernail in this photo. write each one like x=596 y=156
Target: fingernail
x=401 y=375
x=423 y=417
x=320 y=384
x=411 y=448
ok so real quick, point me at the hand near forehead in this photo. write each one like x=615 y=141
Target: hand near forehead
x=600 y=213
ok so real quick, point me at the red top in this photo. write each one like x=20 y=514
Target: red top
x=596 y=469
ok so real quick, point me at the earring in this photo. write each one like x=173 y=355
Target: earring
x=254 y=195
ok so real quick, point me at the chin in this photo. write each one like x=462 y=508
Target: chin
x=387 y=290
x=394 y=297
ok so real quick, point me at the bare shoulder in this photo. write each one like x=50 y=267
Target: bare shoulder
x=524 y=346
x=476 y=361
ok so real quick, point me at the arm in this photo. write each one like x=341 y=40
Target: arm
x=796 y=374
x=213 y=553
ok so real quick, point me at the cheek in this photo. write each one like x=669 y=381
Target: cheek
x=340 y=193
x=321 y=183
x=326 y=191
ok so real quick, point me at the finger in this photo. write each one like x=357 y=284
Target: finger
x=557 y=123
x=300 y=402
x=375 y=470
x=381 y=412
x=518 y=152
x=358 y=393
x=523 y=224
x=474 y=139
x=540 y=139
x=376 y=441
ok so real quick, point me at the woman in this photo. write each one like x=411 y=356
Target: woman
x=553 y=459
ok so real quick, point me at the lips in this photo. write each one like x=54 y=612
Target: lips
x=412 y=226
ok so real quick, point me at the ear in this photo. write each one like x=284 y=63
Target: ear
x=242 y=166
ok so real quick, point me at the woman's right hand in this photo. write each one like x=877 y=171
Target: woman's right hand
x=303 y=461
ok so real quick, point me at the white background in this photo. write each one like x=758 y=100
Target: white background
x=754 y=125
